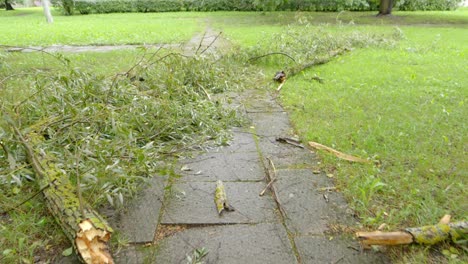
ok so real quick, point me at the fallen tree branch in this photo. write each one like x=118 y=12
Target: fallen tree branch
x=290 y=141
x=316 y=61
x=272 y=53
x=426 y=235
x=87 y=230
x=337 y=153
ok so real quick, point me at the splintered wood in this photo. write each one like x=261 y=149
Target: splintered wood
x=426 y=235
x=91 y=243
x=338 y=154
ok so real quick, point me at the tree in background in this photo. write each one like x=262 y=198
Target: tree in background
x=385 y=7
x=8 y=5
x=48 y=15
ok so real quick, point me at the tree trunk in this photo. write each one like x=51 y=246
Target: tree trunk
x=8 y=6
x=84 y=227
x=48 y=15
x=385 y=7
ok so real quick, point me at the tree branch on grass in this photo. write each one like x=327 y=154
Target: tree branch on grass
x=84 y=227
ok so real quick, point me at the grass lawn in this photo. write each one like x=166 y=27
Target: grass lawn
x=402 y=105
x=27 y=27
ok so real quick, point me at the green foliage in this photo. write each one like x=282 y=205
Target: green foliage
x=113 y=6
x=413 y=5
x=131 y=28
x=111 y=132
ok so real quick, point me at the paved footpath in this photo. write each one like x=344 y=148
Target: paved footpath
x=173 y=217
x=167 y=225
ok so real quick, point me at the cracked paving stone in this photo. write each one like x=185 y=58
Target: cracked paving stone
x=320 y=249
x=222 y=166
x=307 y=210
x=193 y=203
x=233 y=244
x=140 y=221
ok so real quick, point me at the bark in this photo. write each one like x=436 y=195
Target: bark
x=84 y=227
x=426 y=235
x=48 y=15
x=385 y=7
x=8 y=6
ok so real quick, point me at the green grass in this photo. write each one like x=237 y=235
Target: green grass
x=26 y=27
x=403 y=105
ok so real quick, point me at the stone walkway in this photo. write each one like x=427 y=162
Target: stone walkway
x=167 y=225
x=174 y=217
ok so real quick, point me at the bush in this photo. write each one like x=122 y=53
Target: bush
x=413 y=5
x=121 y=6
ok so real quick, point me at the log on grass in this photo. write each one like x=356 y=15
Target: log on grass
x=84 y=227
x=426 y=235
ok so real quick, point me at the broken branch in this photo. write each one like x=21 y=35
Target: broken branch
x=337 y=153
x=427 y=235
x=221 y=198
x=87 y=230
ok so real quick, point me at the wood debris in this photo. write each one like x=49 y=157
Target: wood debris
x=84 y=227
x=337 y=153
x=221 y=198
x=426 y=235
x=290 y=141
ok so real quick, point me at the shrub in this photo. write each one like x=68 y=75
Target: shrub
x=120 y=6
x=413 y=5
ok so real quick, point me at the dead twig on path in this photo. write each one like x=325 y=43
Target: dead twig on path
x=290 y=141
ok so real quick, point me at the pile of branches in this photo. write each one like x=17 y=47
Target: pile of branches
x=85 y=137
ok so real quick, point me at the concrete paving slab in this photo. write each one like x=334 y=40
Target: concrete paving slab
x=271 y=124
x=242 y=141
x=308 y=212
x=243 y=166
x=140 y=220
x=257 y=101
x=286 y=156
x=233 y=244
x=320 y=249
x=193 y=203
x=136 y=254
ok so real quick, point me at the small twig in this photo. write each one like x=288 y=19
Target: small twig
x=290 y=141
x=78 y=183
x=209 y=46
x=207 y=94
x=25 y=201
x=272 y=53
x=267 y=187
x=201 y=42
x=273 y=188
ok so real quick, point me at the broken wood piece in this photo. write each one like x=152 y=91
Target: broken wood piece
x=384 y=238
x=280 y=86
x=337 y=153
x=221 y=198
x=280 y=76
x=290 y=141
x=445 y=219
x=427 y=235
x=267 y=187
